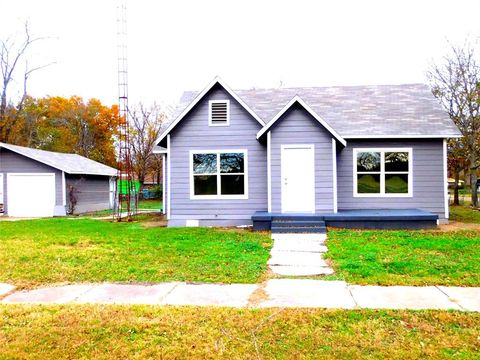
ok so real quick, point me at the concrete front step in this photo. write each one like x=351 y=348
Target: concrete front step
x=285 y=270
x=299 y=230
x=297 y=217
x=294 y=258
x=298 y=223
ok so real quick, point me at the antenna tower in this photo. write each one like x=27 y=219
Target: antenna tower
x=125 y=192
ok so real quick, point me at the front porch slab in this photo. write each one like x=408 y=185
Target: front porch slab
x=358 y=219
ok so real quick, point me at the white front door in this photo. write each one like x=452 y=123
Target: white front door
x=298 y=178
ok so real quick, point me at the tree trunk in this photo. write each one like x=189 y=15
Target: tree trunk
x=455 y=190
x=474 y=187
x=141 y=179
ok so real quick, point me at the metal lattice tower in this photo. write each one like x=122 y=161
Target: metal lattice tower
x=125 y=192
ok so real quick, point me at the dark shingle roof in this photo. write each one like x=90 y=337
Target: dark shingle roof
x=355 y=111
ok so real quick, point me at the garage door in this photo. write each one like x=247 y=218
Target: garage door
x=31 y=195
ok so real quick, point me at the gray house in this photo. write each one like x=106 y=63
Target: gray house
x=37 y=183
x=353 y=154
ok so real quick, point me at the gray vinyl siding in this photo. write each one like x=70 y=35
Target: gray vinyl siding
x=299 y=127
x=11 y=162
x=428 y=182
x=92 y=192
x=194 y=133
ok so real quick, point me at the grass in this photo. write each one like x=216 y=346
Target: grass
x=38 y=252
x=140 y=332
x=464 y=214
x=142 y=205
x=150 y=204
x=406 y=257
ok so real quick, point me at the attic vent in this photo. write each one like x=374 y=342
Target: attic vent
x=219 y=113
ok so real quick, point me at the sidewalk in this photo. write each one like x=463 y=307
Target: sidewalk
x=273 y=293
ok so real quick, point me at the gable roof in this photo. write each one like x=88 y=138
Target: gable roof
x=69 y=163
x=299 y=100
x=179 y=115
x=373 y=111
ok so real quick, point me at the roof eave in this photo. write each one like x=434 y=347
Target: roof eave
x=405 y=136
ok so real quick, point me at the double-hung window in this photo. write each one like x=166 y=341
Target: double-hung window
x=219 y=174
x=382 y=172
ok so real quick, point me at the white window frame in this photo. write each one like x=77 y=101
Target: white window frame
x=218 y=174
x=210 y=123
x=382 y=152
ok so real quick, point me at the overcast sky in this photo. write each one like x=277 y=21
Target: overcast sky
x=181 y=45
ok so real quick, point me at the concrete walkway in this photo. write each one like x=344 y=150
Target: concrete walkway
x=274 y=293
x=299 y=255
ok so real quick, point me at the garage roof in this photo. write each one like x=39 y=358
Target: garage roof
x=69 y=163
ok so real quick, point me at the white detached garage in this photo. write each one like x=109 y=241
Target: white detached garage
x=37 y=183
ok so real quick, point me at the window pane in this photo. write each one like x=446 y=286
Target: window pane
x=368 y=184
x=231 y=163
x=396 y=161
x=233 y=184
x=396 y=183
x=204 y=163
x=368 y=161
x=205 y=184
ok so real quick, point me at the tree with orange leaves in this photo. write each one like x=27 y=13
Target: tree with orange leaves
x=70 y=125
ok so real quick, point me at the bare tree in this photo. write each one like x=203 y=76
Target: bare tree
x=145 y=123
x=12 y=55
x=456 y=83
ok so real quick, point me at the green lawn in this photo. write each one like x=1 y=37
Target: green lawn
x=150 y=204
x=38 y=252
x=464 y=214
x=405 y=257
x=141 y=332
x=142 y=205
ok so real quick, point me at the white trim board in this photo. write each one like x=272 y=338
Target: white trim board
x=269 y=171
x=163 y=183
x=445 y=179
x=218 y=174
x=169 y=176
x=296 y=99
x=216 y=80
x=401 y=136
x=64 y=190
x=334 y=175
x=382 y=193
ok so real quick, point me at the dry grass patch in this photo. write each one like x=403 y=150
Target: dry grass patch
x=60 y=332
